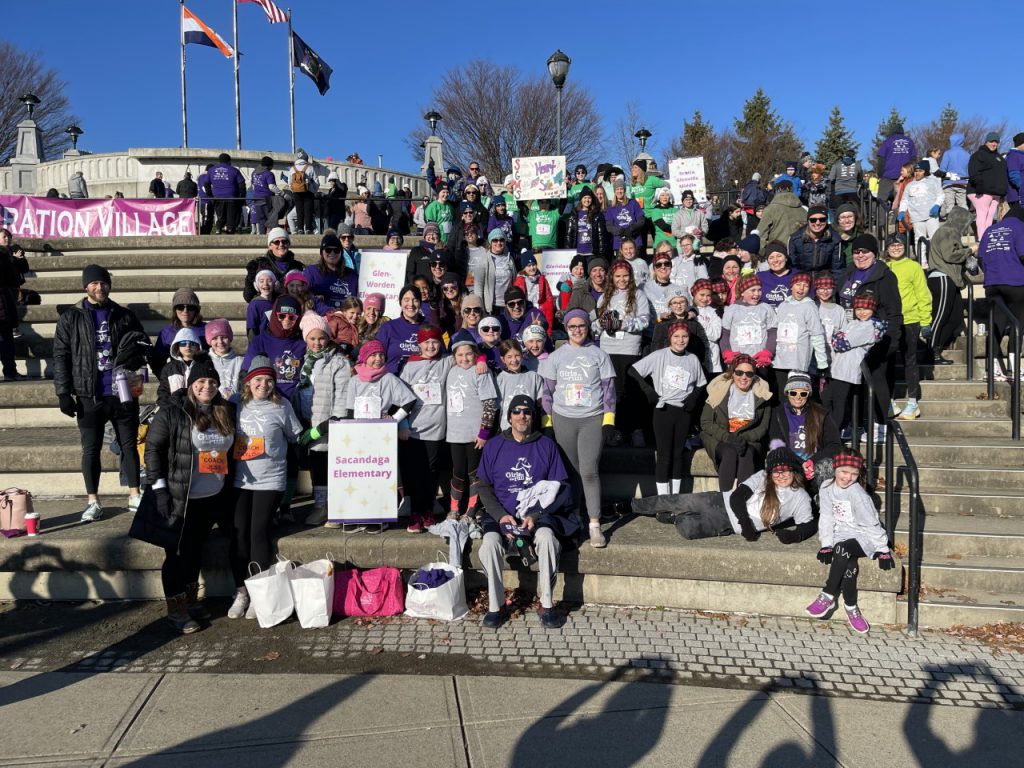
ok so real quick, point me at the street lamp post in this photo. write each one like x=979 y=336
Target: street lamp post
x=643 y=135
x=31 y=101
x=558 y=68
x=74 y=132
x=433 y=118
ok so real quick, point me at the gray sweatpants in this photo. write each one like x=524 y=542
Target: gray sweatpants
x=492 y=558
x=953 y=197
x=582 y=441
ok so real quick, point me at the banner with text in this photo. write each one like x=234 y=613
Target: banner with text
x=555 y=265
x=538 y=178
x=53 y=217
x=687 y=173
x=383 y=272
x=362 y=462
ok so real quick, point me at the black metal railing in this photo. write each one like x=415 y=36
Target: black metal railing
x=969 y=342
x=915 y=525
x=1013 y=367
x=868 y=400
x=921 y=246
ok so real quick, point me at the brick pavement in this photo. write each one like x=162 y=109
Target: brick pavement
x=678 y=646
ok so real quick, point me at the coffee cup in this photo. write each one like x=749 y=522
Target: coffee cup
x=32 y=523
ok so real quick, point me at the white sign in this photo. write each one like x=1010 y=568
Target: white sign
x=538 y=178
x=383 y=272
x=362 y=471
x=554 y=265
x=687 y=173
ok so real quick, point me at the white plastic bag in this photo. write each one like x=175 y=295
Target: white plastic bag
x=446 y=602
x=270 y=594
x=313 y=591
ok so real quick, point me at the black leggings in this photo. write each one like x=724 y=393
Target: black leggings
x=182 y=567
x=837 y=399
x=735 y=468
x=947 y=311
x=465 y=459
x=627 y=395
x=93 y=415
x=1013 y=295
x=251 y=542
x=842 y=574
x=908 y=347
x=422 y=462
x=881 y=361
x=671 y=429
x=10 y=363
x=318 y=467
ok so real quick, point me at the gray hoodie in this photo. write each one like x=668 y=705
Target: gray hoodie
x=263 y=432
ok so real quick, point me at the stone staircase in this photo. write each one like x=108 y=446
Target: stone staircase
x=970 y=478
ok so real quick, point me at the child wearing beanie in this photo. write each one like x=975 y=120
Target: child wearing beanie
x=227 y=362
x=258 y=312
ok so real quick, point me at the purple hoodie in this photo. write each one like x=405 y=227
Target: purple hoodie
x=286 y=355
x=331 y=288
x=1015 y=175
x=896 y=150
x=774 y=288
x=625 y=215
x=399 y=339
x=1001 y=250
x=226 y=181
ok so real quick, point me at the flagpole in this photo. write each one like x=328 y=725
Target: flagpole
x=184 y=108
x=291 y=75
x=238 y=106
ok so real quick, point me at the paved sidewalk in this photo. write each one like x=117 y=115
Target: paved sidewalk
x=260 y=721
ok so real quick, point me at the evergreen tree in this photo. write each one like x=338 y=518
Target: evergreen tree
x=700 y=138
x=886 y=127
x=835 y=141
x=764 y=142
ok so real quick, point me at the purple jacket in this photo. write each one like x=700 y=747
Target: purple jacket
x=513 y=329
x=626 y=220
x=331 y=288
x=895 y=151
x=226 y=181
x=201 y=182
x=1001 y=251
x=1015 y=174
x=286 y=355
x=399 y=339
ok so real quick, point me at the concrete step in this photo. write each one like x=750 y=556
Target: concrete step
x=945 y=390
x=957 y=501
x=966 y=451
x=961 y=409
x=39 y=347
x=981 y=480
x=975 y=573
x=953 y=537
x=233 y=310
x=934 y=427
x=966 y=608
x=199 y=281
x=151 y=258
x=34 y=332
x=92 y=246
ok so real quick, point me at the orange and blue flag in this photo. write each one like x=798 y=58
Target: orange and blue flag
x=194 y=31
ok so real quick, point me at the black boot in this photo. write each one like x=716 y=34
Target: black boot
x=195 y=607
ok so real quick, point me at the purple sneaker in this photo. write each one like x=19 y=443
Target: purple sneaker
x=857 y=620
x=822 y=605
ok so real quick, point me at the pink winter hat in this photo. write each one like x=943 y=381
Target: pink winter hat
x=218 y=327
x=311 y=321
x=375 y=300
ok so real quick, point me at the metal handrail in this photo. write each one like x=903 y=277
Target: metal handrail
x=970 y=331
x=995 y=302
x=894 y=434
x=921 y=246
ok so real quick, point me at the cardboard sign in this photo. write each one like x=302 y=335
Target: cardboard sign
x=362 y=466
x=687 y=173
x=538 y=178
x=554 y=265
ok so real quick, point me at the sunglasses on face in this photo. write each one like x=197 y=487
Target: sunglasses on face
x=286 y=316
x=743 y=374
x=798 y=393
x=521 y=412
x=490 y=328
x=184 y=308
x=281 y=242
x=660 y=264
x=498 y=240
x=332 y=251
x=345 y=237
x=187 y=344
x=861 y=251
x=817 y=220
x=449 y=287
x=514 y=303
x=474 y=169
x=472 y=311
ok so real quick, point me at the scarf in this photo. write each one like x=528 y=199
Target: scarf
x=366 y=373
x=309 y=363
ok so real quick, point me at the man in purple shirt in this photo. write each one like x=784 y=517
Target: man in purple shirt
x=227 y=187
x=895 y=151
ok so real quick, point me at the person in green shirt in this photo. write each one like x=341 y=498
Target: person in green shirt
x=661 y=215
x=442 y=212
x=579 y=182
x=543 y=224
x=643 y=186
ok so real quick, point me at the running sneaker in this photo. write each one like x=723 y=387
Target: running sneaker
x=93 y=511
x=317 y=517
x=133 y=503
x=416 y=524
x=857 y=620
x=597 y=539
x=910 y=412
x=821 y=605
x=240 y=605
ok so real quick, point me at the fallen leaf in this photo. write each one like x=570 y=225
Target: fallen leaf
x=955 y=556
x=901 y=550
x=270 y=656
x=376 y=650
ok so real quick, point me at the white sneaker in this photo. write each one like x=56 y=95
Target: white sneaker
x=250 y=612
x=133 y=503
x=910 y=412
x=597 y=539
x=240 y=606
x=92 y=512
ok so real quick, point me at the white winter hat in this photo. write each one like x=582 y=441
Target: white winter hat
x=278 y=233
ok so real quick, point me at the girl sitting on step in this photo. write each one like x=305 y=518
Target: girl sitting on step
x=848 y=529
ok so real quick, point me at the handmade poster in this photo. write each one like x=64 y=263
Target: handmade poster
x=49 y=218
x=538 y=178
x=362 y=471
x=554 y=265
x=687 y=173
x=383 y=272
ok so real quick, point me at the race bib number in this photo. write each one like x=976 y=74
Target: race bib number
x=749 y=335
x=429 y=392
x=543 y=229
x=368 y=407
x=213 y=463
x=456 y=401
x=576 y=395
x=842 y=511
x=250 y=448
x=675 y=378
x=446 y=227
x=788 y=332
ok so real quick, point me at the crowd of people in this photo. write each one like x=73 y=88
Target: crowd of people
x=510 y=386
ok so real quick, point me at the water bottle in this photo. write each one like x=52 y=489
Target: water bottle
x=982 y=329
x=122 y=385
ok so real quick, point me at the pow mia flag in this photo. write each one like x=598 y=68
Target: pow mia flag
x=307 y=60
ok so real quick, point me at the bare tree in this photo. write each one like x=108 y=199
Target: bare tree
x=21 y=72
x=491 y=114
x=624 y=142
x=935 y=135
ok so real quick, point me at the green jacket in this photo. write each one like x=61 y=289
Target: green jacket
x=783 y=216
x=946 y=251
x=645 y=192
x=914 y=293
x=661 y=218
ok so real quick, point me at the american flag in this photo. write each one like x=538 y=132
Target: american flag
x=274 y=14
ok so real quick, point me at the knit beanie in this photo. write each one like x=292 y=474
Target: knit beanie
x=865 y=242
x=287 y=304
x=515 y=293
x=534 y=332
x=576 y=314
x=472 y=301
x=798 y=380
x=579 y=258
x=375 y=300
x=521 y=401
x=95 y=273
x=597 y=262
x=278 y=233
x=219 y=327
x=1018 y=139
x=371 y=347
x=848 y=458
x=268 y=273
x=431 y=226
x=817 y=210
x=846 y=208
x=296 y=275
x=747 y=282
x=775 y=246
x=781 y=457
x=185 y=296
x=203 y=368
x=260 y=366
x=462 y=339
x=310 y=322
x=750 y=244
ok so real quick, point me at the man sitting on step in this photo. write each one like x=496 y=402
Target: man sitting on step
x=524 y=489
x=95 y=338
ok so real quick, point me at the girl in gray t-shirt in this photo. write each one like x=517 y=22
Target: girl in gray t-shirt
x=514 y=380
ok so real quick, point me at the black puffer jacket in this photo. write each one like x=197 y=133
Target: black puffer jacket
x=987 y=173
x=266 y=261
x=74 y=346
x=599 y=240
x=825 y=445
x=882 y=282
x=170 y=452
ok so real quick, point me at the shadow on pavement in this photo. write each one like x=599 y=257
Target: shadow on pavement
x=592 y=739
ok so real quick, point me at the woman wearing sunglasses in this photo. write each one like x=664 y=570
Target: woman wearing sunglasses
x=279 y=259
x=734 y=423
x=187 y=313
x=805 y=428
x=332 y=279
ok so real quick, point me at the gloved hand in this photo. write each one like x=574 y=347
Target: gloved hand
x=607 y=433
x=652 y=396
x=885 y=561
x=67 y=405
x=901 y=216
x=926 y=332
x=763 y=358
x=749 y=532
x=825 y=555
x=934 y=212
x=610 y=322
x=163 y=502
x=728 y=356
x=313 y=434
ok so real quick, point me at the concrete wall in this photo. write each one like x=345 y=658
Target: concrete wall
x=130 y=172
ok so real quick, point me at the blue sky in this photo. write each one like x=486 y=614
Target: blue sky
x=120 y=59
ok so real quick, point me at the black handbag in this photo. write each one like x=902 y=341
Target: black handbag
x=152 y=527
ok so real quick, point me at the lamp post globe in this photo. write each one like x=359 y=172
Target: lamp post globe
x=643 y=135
x=31 y=101
x=74 y=132
x=558 y=68
x=433 y=117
